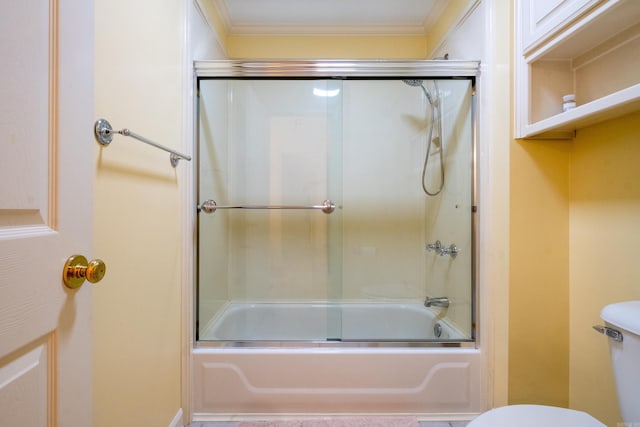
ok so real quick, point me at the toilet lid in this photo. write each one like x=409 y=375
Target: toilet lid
x=534 y=416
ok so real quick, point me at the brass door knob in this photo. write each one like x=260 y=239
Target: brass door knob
x=77 y=269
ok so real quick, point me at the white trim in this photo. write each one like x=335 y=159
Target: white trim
x=200 y=9
x=434 y=16
x=468 y=11
x=326 y=30
x=177 y=420
x=197 y=4
x=494 y=228
x=350 y=29
x=186 y=214
x=521 y=74
x=223 y=14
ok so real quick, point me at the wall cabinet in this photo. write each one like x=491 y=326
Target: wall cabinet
x=542 y=17
x=590 y=48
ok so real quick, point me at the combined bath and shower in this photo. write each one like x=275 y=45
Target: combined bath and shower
x=433 y=137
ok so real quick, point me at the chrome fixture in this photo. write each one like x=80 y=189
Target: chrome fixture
x=434 y=134
x=614 y=334
x=442 y=250
x=437 y=302
x=104 y=135
x=437 y=330
x=434 y=246
x=210 y=206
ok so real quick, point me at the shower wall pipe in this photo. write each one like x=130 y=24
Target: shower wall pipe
x=210 y=206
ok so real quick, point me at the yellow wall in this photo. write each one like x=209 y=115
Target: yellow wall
x=136 y=308
x=574 y=244
x=605 y=242
x=539 y=273
x=325 y=47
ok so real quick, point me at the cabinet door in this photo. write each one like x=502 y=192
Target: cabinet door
x=542 y=18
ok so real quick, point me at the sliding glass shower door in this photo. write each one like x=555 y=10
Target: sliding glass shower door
x=270 y=158
x=332 y=209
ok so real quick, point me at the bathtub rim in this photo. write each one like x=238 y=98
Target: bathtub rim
x=334 y=345
x=469 y=342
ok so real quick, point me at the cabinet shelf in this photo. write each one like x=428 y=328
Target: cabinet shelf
x=595 y=55
x=564 y=125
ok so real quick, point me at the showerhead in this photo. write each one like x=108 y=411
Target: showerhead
x=419 y=83
x=413 y=82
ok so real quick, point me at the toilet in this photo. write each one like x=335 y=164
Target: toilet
x=622 y=326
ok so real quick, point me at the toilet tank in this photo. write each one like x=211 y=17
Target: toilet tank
x=625 y=355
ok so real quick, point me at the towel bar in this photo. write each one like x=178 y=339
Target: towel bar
x=104 y=135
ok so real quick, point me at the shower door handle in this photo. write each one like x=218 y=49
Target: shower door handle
x=210 y=206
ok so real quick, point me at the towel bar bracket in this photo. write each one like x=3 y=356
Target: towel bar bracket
x=103 y=131
x=104 y=135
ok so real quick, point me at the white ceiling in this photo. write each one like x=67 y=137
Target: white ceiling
x=328 y=17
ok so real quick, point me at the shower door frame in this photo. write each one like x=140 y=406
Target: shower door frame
x=362 y=69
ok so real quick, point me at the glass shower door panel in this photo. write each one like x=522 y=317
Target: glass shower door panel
x=388 y=219
x=213 y=236
x=277 y=144
x=450 y=221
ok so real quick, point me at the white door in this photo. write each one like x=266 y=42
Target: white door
x=46 y=172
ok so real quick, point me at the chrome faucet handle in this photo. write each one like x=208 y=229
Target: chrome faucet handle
x=441 y=249
x=437 y=246
x=451 y=250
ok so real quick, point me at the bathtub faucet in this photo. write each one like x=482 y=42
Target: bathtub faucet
x=437 y=302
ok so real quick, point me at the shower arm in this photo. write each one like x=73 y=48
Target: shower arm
x=210 y=206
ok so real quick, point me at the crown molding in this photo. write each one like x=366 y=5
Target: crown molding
x=355 y=28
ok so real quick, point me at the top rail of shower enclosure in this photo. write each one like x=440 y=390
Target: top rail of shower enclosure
x=338 y=68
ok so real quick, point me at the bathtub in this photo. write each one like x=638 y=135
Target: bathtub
x=293 y=369
x=317 y=322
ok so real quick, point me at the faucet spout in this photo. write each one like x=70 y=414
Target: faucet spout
x=437 y=302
